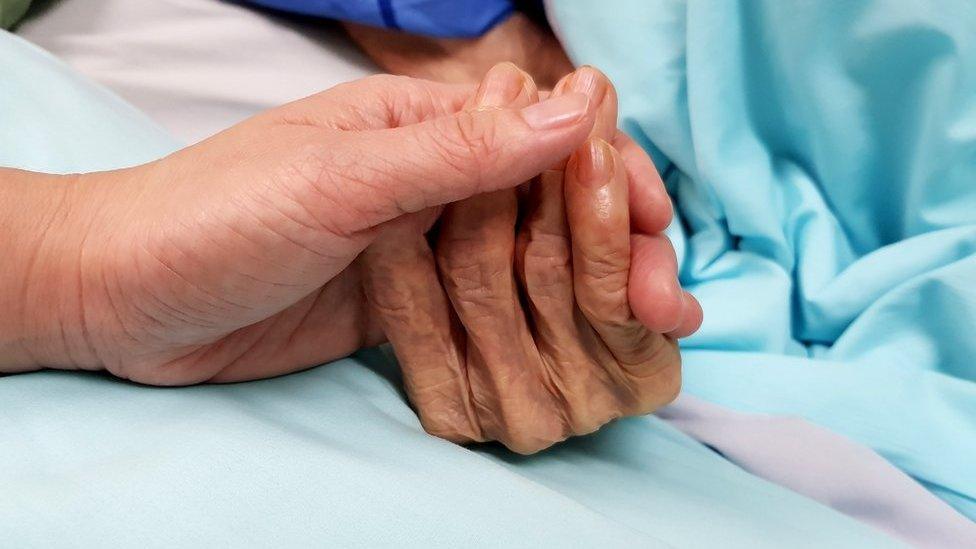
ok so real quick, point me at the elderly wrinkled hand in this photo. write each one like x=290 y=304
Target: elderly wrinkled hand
x=531 y=317
x=301 y=235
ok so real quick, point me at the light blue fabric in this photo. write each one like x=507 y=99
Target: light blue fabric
x=822 y=156
x=331 y=457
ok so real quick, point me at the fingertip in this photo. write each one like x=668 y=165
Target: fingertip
x=651 y=208
x=559 y=112
x=591 y=82
x=505 y=84
x=657 y=303
x=649 y=215
x=596 y=199
x=655 y=296
x=692 y=318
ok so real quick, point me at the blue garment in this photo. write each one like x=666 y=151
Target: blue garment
x=330 y=457
x=441 y=18
x=822 y=157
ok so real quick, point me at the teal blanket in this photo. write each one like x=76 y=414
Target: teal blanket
x=331 y=457
x=822 y=157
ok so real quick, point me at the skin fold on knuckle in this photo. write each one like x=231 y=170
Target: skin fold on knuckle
x=657 y=380
x=547 y=266
x=335 y=189
x=590 y=403
x=511 y=403
x=527 y=439
x=604 y=301
x=440 y=416
x=475 y=272
x=468 y=143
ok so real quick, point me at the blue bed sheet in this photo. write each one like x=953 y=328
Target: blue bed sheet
x=822 y=158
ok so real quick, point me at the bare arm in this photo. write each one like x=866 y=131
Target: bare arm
x=517 y=39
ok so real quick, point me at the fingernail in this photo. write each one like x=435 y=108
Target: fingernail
x=594 y=163
x=501 y=86
x=589 y=81
x=556 y=112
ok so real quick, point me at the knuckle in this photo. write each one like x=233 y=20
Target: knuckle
x=446 y=431
x=609 y=308
x=669 y=388
x=605 y=264
x=387 y=81
x=590 y=424
x=592 y=400
x=466 y=143
x=526 y=443
x=658 y=381
x=601 y=287
x=474 y=278
x=530 y=435
x=443 y=417
x=546 y=265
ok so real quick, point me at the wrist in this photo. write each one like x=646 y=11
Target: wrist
x=44 y=228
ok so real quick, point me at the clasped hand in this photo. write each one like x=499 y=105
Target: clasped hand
x=509 y=248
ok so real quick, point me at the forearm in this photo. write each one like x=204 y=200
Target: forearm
x=42 y=322
x=517 y=39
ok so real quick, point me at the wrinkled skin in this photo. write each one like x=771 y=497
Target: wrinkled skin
x=517 y=39
x=246 y=256
x=235 y=258
x=516 y=323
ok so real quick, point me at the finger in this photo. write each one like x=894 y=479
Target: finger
x=691 y=318
x=656 y=297
x=564 y=338
x=603 y=99
x=544 y=234
x=405 y=295
x=598 y=213
x=370 y=177
x=475 y=254
x=599 y=222
x=650 y=206
x=543 y=262
x=376 y=102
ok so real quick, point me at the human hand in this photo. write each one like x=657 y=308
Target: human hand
x=530 y=320
x=233 y=259
x=517 y=39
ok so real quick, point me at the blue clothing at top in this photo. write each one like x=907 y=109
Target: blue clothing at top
x=440 y=18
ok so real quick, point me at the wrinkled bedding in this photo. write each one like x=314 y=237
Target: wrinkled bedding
x=822 y=158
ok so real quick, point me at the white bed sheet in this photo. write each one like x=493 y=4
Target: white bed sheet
x=195 y=66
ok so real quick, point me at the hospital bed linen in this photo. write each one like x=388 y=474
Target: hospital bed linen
x=852 y=479
x=822 y=157
x=195 y=66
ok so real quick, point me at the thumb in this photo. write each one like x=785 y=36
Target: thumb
x=383 y=174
